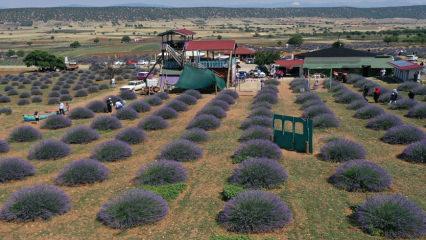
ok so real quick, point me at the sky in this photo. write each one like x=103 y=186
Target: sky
x=216 y=3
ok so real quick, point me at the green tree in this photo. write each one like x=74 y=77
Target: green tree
x=263 y=58
x=75 y=44
x=44 y=61
x=96 y=40
x=10 y=53
x=338 y=44
x=219 y=37
x=296 y=40
x=389 y=39
x=20 y=53
x=126 y=39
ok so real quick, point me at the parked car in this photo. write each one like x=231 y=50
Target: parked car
x=134 y=86
x=412 y=57
x=257 y=74
x=143 y=62
x=242 y=75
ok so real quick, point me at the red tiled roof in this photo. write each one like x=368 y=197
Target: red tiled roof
x=242 y=51
x=210 y=45
x=405 y=65
x=289 y=64
x=185 y=32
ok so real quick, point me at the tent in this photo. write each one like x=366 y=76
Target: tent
x=199 y=78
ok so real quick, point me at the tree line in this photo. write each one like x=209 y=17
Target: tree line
x=115 y=14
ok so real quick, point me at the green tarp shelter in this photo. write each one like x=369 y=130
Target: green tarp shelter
x=199 y=78
x=345 y=62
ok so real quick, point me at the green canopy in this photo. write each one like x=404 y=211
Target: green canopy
x=345 y=62
x=198 y=78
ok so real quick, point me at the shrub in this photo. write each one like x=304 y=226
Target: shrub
x=131 y=135
x=385 y=97
x=36 y=92
x=97 y=106
x=256 y=132
x=260 y=111
x=369 y=111
x=127 y=113
x=415 y=152
x=254 y=212
x=348 y=97
x=166 y=113
x=226 y=98
x=261 y=105
x=342 y=150
x=216 y=111
x=53 y=101
x=103 y=123
x=24 y=134
x=36 y=202
x=4 y=146
x=81 y=93
x=178 y=105
x=56 y=122
x=196 y=135
x=140 y=106
x=65 y=97
x=49 y=149
x=36 y=99
x=80 y=135
x=163 y=95
x=153 y=100
x=231 y=191
x=231 y=93
x=4 y=99
x=6 y=110
x=403 y=134
x=326 y=120
x=128 y=95
x=23 y=101
x=80 y=172
x=392 y=216
x=193 y=93
x=315 y=110
x=93 y=89
x=103 y=86
x=257 y=121
x=361 y=175
x=152 y=123
x=167 y=191
x=15 y=169
x=421 y=90
x=407 y=86
x=265 y=97
x=25 y=95
x=112 y=151
x=404 y=103
x=257 y=148
x=222 y=104
x=204 y=121
x=355 y=105
x=304 y=97
x=384 y=122
x=161 y=172
x=188 y=99
x=81 y=113
x=259 y=173
x=418 y=111
x=12 y=92
x=133 y=208
x=181 y=150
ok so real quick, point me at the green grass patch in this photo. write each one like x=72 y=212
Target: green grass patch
x=168 y=191
x=230 y=191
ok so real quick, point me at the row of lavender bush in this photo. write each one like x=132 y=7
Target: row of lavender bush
x=250 y=210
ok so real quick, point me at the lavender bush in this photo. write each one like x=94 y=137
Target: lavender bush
x=178 y=106
x=391 y=216
x=4 y=146
x=161 y=172
x=49 y=149
x=204 y=121
x=403 y=134
x=418 y=111
x=131 y=135
x=127 y=113
x=257 y=148
x=255 y=212
x=256 y=132
x=97 y=106
x=128 y=95
x=266 y=97
x=196 y=135
x=140 y=106
x=361 y=175
x=163 y=95
x=81 y=113
x=152 y=123
x=304 y=97
x=355 y=105
x=133 y=208
x=260 y=111
x=181 y=150
x=231 y=93
x=342 y=150
x=220 y=103
x=226 y=98
x=326 y=120
x=36 y=202
x=256 y=121
x=259 y=173
x=213 y=110
x=24 y=134
x=153 y=100
x=112 y=151
x=188 y=99
x=415 y=152
x=193 y=93
x=80 y=135
x=105 y=122
x=15 y=169
x=166 y=113
x=56 y=122
x=384 y=122
x=80 y=172
x=404 y=103
x=368 y=112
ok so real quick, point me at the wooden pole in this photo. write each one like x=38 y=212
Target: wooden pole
x=229 y=69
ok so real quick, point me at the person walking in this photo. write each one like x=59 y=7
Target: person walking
x=36 y=117
x=393 y=96
x=113 y=82
x=411 y=95
x=109 y=105
x=377 y=93
x=61 y=108
x=365 y=93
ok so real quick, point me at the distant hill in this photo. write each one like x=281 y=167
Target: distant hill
x=155 y=13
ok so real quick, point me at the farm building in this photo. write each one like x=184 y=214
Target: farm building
x=196 y=64
x=242 y=52
x=289 y=67
x=345 y=60
x=406 y=70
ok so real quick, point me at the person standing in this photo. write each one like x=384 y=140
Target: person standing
x=36 y=117
x=411 y=95
x=113 y=82
x=377 y=93
x=109 y=105
x=393 y=96
x=365 y=93
x=61 y=108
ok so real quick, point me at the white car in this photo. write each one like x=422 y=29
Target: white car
x=143 y=62
x=259 y=74
x=412 y=58
x=133 y=86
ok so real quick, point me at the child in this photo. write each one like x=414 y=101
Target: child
x=377 y=93
x=36 y=117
